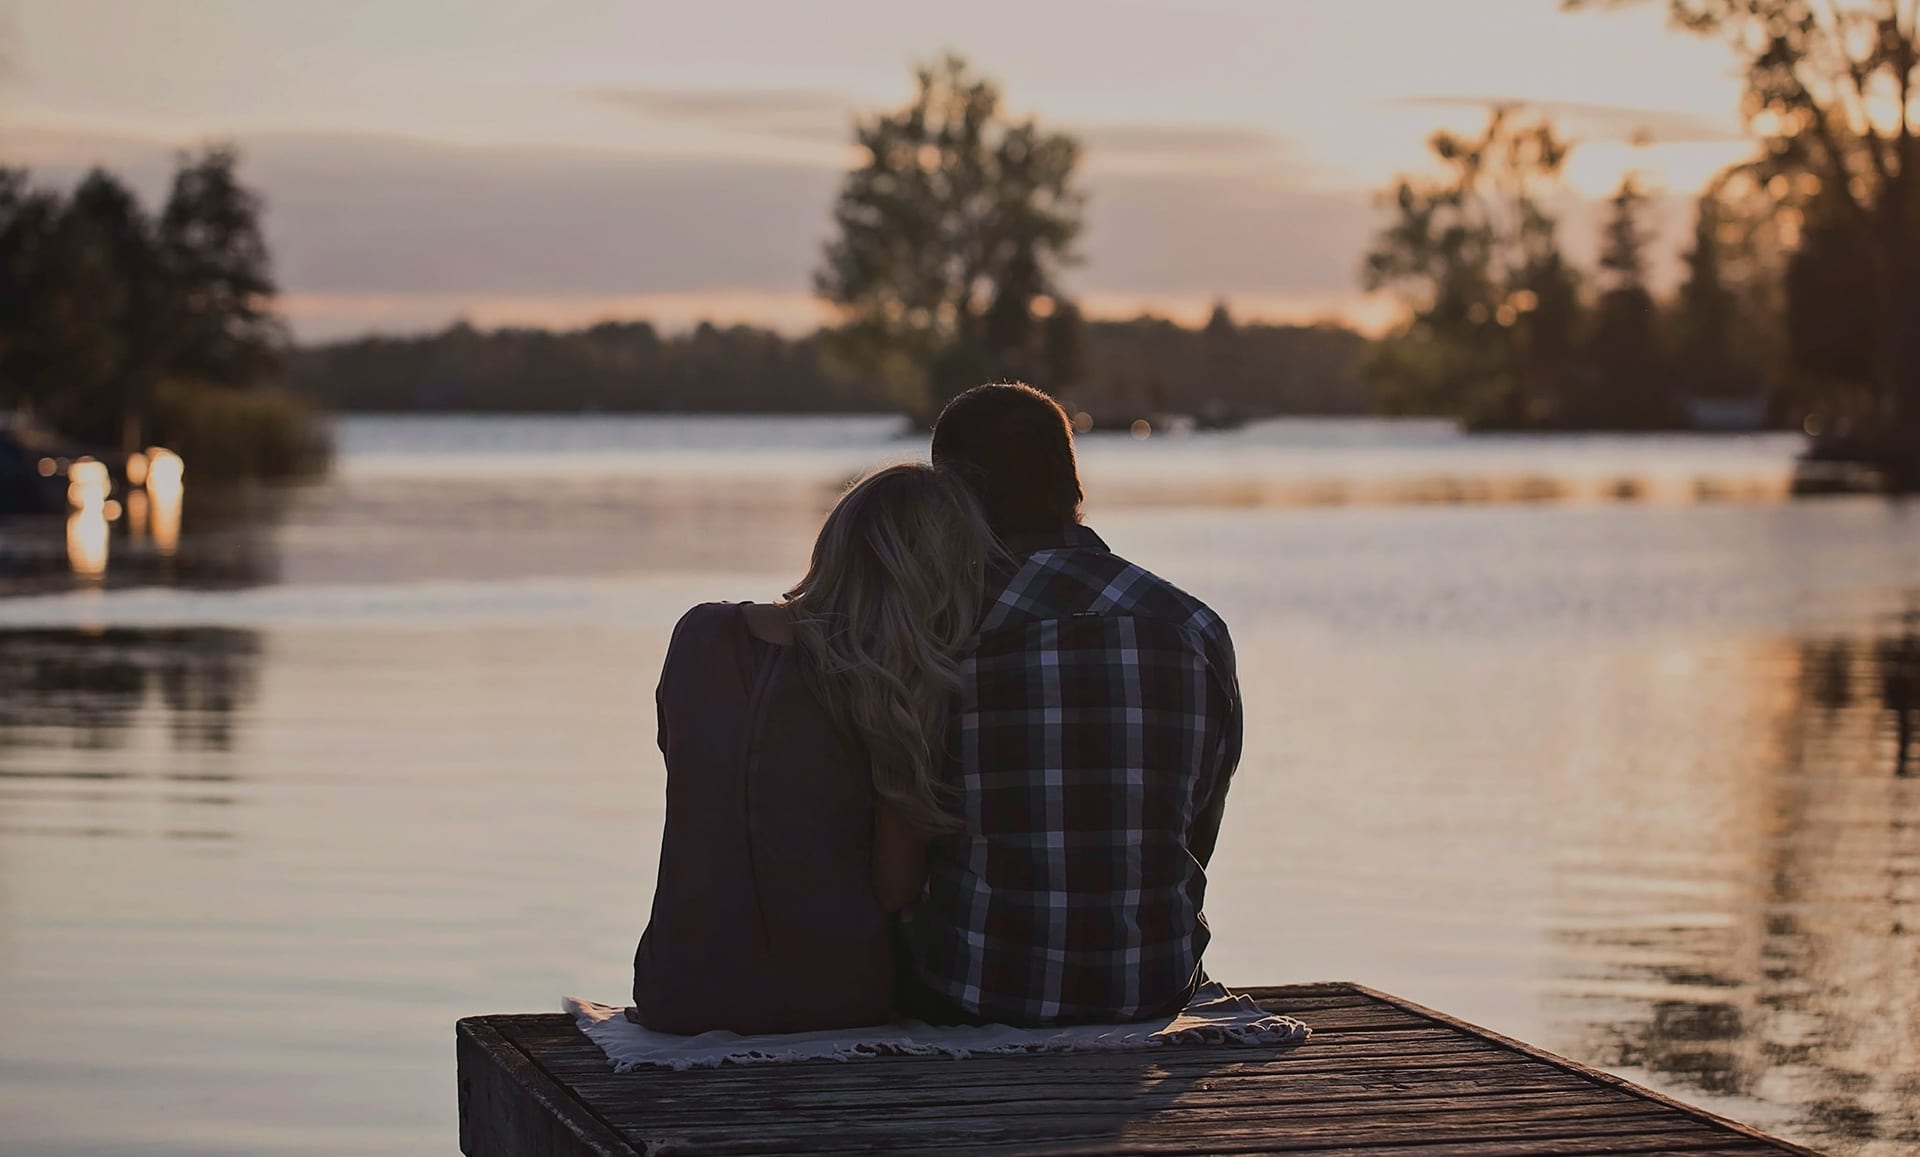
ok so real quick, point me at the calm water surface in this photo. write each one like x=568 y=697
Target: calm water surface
x=1596 y=742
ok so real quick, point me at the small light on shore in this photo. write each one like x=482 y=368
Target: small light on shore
x=1142 y=429
x=111 y=510
x=1082 y=422
x=47 y=467
x=136 y=469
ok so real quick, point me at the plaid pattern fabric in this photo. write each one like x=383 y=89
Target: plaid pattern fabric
x=1099 y=715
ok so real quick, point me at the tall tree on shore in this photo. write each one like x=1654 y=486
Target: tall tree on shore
x=62 y=299
x=114 y=407
x=1627 y=387
x=954 y=227
x=1706 y=357
x=1832 y=330
x=25 y=218
x=1831 y=89
x=225 y=331
x=102 y=304
x=1475 y=253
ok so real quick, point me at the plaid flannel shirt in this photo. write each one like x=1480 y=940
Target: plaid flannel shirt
x=1099 y=716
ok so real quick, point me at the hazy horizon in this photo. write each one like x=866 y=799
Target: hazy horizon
x=590 y=159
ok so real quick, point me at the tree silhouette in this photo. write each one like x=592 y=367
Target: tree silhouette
x=1627 y=385
x=61 y=301
x=956 y=224
x=226 y=332
x=1706 y=359
x=1623 y=250
x=1476 y=255
x=117 y=328
x=144 y=336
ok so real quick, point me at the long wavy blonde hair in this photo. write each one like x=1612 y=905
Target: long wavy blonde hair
x=893 y=593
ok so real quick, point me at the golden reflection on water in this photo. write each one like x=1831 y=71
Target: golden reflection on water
x=88 y=484
x=164 y=472
x=87 y=542
x=155 y=495
x=136 y=514
x=1747 y=919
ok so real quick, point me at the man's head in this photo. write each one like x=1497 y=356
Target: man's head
x=1013 y=446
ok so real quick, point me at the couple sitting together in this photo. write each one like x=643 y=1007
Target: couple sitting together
x=970 y=770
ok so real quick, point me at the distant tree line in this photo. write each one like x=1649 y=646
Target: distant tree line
x=1126 y=369
x=121 y=328
x=617 y=366
x=1224 y=370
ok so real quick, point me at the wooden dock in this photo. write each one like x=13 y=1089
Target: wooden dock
x=1381 y=1076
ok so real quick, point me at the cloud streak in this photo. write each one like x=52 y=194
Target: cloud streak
x=1601 y=121
x=791 y=114
x=818 y=117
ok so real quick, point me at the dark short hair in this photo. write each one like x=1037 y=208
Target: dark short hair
x=1013 y=445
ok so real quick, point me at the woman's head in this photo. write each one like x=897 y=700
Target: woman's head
x=893 y=593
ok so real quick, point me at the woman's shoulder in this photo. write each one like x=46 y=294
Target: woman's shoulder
x=707 y=634
x=769 y=622
x=704 y=620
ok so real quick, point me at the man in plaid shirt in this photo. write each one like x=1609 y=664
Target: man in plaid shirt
x=1092 y=742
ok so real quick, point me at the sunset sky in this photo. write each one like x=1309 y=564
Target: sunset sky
x=563 y=161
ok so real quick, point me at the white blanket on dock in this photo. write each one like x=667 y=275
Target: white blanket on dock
x=1214 y=1017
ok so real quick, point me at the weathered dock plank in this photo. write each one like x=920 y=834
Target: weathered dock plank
x=1381 y=1076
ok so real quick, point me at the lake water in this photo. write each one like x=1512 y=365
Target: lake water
x=1596 y=742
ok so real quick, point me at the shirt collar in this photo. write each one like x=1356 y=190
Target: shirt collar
x=1020 y=544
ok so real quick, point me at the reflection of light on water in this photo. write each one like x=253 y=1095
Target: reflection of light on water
x=164 y=471
x=152 y=507
x=88 y=484
x=87 y=542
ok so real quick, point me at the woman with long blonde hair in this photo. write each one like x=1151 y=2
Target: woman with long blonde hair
x=803 y=742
